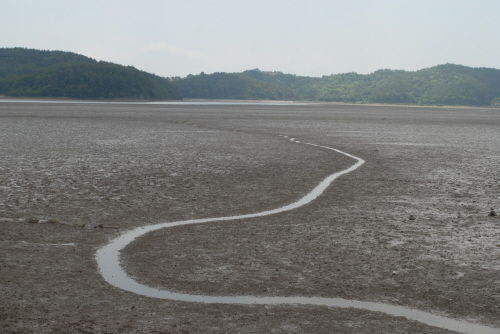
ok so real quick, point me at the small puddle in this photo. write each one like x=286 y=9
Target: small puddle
x=108 y=259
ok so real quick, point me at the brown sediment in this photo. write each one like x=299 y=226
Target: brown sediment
x=131 y=166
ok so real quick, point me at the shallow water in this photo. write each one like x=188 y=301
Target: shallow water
x=108 y=259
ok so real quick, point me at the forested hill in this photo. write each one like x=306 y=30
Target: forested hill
x=35 y=73
x=447 y=84
x=238 y=86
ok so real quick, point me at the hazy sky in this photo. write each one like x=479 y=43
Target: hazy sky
x=313 y=37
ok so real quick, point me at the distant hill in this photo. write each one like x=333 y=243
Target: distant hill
x=447 y=84
x=35 y=73
x=237 y=86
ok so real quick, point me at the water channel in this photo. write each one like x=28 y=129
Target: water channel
x=108 y=259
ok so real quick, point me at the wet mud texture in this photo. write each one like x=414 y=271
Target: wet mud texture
x=410 y=227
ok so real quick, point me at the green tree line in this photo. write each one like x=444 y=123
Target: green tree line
x=232 y=86
x=38 y=73
x=447 y=84
x=26 y=72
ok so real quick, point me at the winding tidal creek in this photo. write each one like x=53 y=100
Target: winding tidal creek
x=108 y=259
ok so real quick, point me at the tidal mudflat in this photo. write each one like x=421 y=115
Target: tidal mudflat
x=410 y=227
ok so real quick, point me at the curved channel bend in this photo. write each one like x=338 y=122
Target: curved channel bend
x=108 y=259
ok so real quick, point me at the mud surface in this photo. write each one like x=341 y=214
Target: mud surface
x=410 y=227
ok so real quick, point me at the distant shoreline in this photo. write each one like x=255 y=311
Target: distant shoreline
x=7 y=99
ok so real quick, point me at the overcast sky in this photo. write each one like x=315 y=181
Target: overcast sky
x=313 y=37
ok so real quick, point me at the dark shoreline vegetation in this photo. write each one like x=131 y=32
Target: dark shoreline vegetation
x=36 y=73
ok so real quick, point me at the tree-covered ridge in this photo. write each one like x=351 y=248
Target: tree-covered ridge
x=299 y=84
x=20 y=61
x=232 y=86
x=34 y=73
x=27 y=72
x=444 y=84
